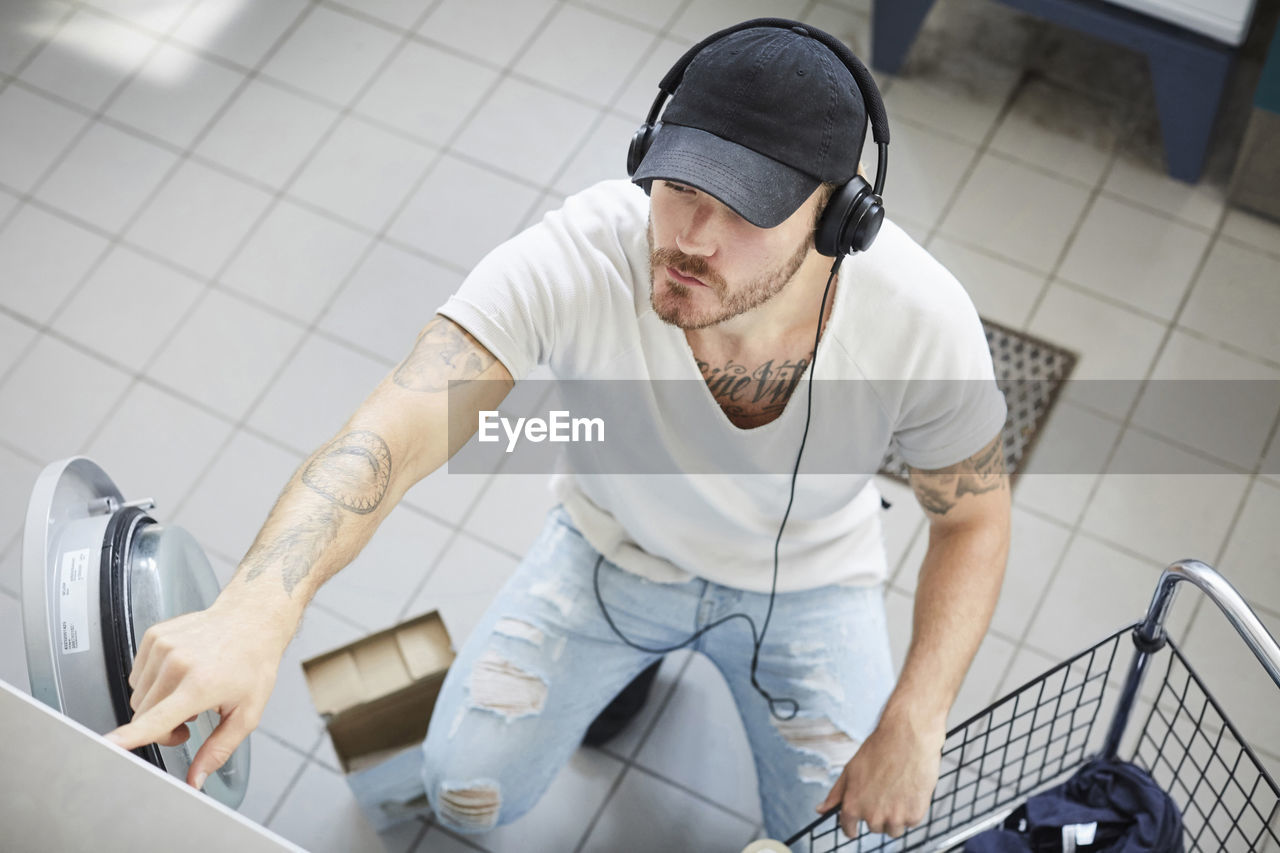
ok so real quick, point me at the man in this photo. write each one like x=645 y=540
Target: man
x=713 y=274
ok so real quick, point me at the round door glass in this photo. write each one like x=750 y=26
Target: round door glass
x=169 y=575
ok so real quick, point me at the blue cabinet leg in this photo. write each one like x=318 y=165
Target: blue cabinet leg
x=894 y=24
x=1189 y=86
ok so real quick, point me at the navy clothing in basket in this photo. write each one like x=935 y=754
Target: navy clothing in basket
x=1107 y=807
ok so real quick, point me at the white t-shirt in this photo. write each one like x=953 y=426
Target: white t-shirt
x=573 y=292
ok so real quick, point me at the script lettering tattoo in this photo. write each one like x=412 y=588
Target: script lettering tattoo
x=442 y=352
x=295 y=550
x=353 y=471
x=939 y=490
x=764 y=390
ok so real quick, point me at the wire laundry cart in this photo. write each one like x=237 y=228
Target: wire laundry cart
x=1040 y=734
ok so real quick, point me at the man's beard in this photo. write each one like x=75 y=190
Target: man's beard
x=675 y=306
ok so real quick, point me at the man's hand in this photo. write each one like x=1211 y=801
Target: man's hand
x=890 y=780
x=216 y=659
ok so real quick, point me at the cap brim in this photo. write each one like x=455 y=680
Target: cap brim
x=758 y=188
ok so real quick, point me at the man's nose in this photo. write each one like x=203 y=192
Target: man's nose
x=697 y=235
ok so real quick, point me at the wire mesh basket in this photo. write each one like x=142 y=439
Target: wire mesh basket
x=1038 y=735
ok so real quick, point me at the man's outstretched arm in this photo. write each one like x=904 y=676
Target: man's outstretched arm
x=890 y=780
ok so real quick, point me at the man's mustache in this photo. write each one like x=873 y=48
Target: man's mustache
x=690 y=265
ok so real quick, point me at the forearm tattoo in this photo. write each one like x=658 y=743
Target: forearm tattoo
x=939 y=490
x=351 y=473
x=443 y=352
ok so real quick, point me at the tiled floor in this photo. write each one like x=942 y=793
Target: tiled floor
x=222 y=221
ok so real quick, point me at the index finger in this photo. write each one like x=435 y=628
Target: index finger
x=155 y=723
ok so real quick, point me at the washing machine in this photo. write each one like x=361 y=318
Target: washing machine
x=97 y=572
x=1224 y=20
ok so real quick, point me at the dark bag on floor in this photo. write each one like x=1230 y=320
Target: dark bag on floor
x=1107 y=807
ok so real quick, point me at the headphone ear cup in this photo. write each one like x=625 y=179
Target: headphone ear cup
x=865 y=223
x=829 y=236
x=640 y=143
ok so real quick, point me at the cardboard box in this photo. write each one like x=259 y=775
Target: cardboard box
x=376 y=696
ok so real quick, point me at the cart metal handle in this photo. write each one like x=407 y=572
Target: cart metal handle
x=1149 y=636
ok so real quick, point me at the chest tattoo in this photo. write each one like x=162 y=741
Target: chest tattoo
x=752 y=397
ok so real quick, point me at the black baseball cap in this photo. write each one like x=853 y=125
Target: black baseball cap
x=761 y=117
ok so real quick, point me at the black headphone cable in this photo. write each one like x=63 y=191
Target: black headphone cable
x=757 y=639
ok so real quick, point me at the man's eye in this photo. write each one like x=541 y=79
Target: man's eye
x=680 y=188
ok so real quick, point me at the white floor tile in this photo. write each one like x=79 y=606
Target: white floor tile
x=512 y=511
x=175 y=95
x=1001 y=291
x=1058 y=129
x=1175 y=506
x=372 y=590
x=1035 y=547
x=466 y=26
x=362 y=174
x=13 y=649
x=1248 y=228
x=250 y=346
x=400 y=13
x=1026 y=664
x=499 y=133
x=1016 y=211
x=927 y=169
x=230 y=505
x=1097 y=591
x=43 y=257
x=11 y=560
x=1235 y=300
x=24 y=26
x=156 y=446
x=14 y=338
x=561 y=817
x=699 y=20
x=320 y=814
x=446 y=495
x=396 y=97
x=466 y=580
x=295 y=260
x=603 y=44
x=322 y=386
x=655 y=15
x=646 y=813
x=128 y=306
x=8 y=203
x=388 y=301
x=331 y=55
x=438 y=841
x=88 y=58
x=19 y=477
x=199 y=218
x=1253 y=553
x=461 y=212
x=984 y=675
x=106 y=177
x=236 y=30
x=1234 y=676
x=603 y=157
x=898 y=612
x=1137 y=257
x=699 y=742
x=1212 y=399
x=962 y=99
x=157 y=17
x=266 y=132
x=37 y=130
x=851 y=25
x=1067 y=460
x=56 y=398
x=1115 y=345
x=271 y=770
x=637 y=97
x=1135 y=180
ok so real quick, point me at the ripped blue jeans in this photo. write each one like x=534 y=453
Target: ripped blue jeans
x=542 y=663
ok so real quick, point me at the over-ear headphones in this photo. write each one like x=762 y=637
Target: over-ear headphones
x=855 y=210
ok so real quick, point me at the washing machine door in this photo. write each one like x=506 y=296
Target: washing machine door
x=97 y=572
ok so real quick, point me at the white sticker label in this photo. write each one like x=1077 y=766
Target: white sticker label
x=74 y=601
